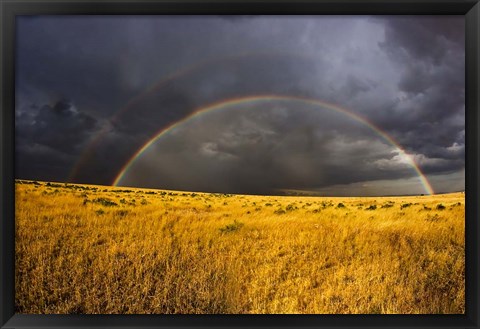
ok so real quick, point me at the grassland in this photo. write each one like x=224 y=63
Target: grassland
x=95 y=249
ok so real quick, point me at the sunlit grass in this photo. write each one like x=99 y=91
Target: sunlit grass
x=96 y=249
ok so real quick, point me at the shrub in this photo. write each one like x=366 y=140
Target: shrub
x=340 y=205
x=440 y=207
x=122 y=213
x=279 y=212
x=236 y=225
x=372 y=207
x=405 y=205
x=291 y=207
x=105 y=202
x=53 y=185
x=434 y=218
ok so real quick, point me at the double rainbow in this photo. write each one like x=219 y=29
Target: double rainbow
x=228 y=104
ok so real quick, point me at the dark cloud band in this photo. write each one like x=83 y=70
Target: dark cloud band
x=226 y=104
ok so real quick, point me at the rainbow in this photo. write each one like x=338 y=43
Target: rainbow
x=225 y=104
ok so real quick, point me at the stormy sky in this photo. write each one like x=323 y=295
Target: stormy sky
x=91 y=91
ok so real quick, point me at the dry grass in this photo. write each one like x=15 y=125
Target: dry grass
x=87 y=249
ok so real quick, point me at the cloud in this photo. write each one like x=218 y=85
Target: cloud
x=60 y=127
x=133 y=77
x=428 y=113
x=423 y=37
x=50 y=137
x=255 y=148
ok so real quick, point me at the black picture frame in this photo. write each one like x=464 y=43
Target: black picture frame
x=9 y=9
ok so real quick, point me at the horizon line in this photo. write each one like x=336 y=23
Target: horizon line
x=243 y=194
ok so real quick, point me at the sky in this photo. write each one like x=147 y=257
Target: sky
x=318 y=105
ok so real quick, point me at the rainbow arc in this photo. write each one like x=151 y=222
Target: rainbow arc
x=230 y=103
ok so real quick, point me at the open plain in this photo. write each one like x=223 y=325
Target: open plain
x=99 y=249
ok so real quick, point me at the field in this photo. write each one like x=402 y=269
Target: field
x=97 y=249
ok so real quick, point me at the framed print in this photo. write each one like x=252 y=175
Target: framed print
x=241 y=164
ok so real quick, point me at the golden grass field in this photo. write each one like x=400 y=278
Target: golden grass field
x=97 y=249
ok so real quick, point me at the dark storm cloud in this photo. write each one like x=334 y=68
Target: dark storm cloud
x=268 y=150
x=423 y=37
x=60 y=127
x=406 y=75
x=354 y=85
x=49 y=138
x=428 y=115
